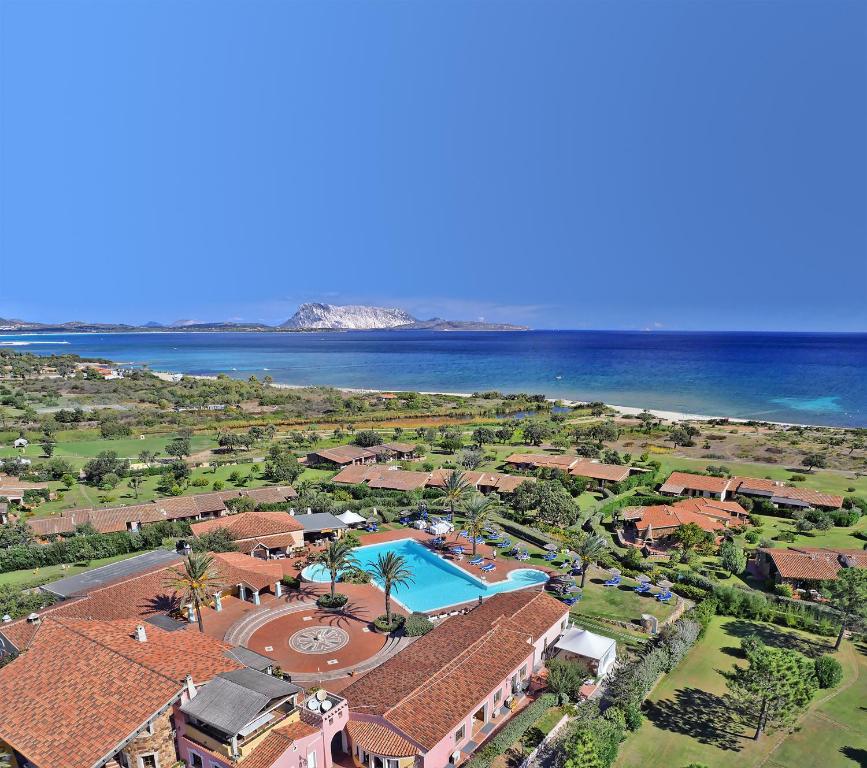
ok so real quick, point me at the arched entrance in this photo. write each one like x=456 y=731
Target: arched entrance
x=338 y=746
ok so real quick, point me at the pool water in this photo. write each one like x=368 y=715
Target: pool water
x=437 y=583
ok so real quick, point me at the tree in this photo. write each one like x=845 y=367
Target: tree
x=477 y=509
x=848 y=596
x=282 y=466
x=690 y=536
x=48 y=448
x=536 y=431
x=589 y=547
x=179 y=447
x=683 y=434
x=196 y=582
x=604 y=432
x=483 y=435
x=812 y=460
x=505 y=433
x=556 y=507
x=215 y=540
x=566 y=677
x=646 y=418
x=135 y=483
x=337 y=557
x=105 y=463
x=454 y=490
x=452 y=441
x=582 y=751
x=470 y=458
x=774 y=687
x=390 y=570
x=367 y=438
x=732 y=557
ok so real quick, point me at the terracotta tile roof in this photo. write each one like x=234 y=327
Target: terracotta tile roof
x=428 y=688
x=355 y=473
x=345 y=454
x=272 y=494
x=614 y=472
x=82 y=688
x=679 y=481
x=138 y=597
x=662 y=517
x=781 y=491
x=275 y=541
x=814 y=563
x=542 y=460
x=399 y=480
x=250 y=525
x=400 y=447
x=380 y=740
x=236 y=568
x=722 y=510
x=276 y=743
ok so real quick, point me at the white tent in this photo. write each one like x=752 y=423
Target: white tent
x=351 y=518
x=440 y=527
x=601 y=651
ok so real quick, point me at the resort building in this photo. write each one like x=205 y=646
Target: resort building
x=806 y=566
x=260 y=534
x=601 y=475
x=399 y=451
x=432 y=703
x=688 y=484
x=774 y=491
x=395 y=479
x=12 y=489
x=342 y=456
x=132 y=517
x=531 y=461
x=656 y=524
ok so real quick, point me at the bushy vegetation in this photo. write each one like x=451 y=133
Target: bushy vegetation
x=417 y=624
x=829 y=671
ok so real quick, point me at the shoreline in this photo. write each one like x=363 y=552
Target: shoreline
x=622 y=410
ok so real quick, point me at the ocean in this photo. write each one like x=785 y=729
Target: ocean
x=807 y=378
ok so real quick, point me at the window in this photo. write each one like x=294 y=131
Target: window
x=196 y=760
x=498 y=696
x=460 y=733
x=391 y=763
x=523 y=672
x=311 y=760
x=149 y=761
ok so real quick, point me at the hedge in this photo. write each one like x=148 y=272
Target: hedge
x=512 y=732
x=525 y=532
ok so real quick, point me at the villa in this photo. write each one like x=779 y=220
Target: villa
x=602 y=474
x=656 y=524
x=432 y=703
x=13 y=489
x=342 y=456
x=806 y=566
x=774 y=491
x=260 y=534
x=395 y=479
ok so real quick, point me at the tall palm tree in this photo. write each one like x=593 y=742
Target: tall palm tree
x=337 y=557
x=391 y=570
x=589 y=548
x=196 y=582
x=455 y=489
x=477 y=509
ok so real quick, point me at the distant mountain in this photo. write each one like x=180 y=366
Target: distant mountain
x=348 y=317
x=357 y=317
x=153 y=324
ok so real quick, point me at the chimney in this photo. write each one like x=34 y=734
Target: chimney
x=140 y=634
x=7 y=618
x=292 y=511
x=191 y=687
x=33 y=618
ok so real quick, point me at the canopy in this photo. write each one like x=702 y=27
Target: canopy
x=584 y=643
x=351 y=518
x=440 y=527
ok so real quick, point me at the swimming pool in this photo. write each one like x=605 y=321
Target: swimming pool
x=437 y=583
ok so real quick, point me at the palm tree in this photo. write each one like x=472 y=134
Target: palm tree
x=196 y=582
x=337 y=557
x=477 y=509
x=589 y=548
x=390 y=570
x=455 y=489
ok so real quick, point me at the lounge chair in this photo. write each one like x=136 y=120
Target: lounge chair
x=463 y=535
x=550 y=556
x=572 y=599
x=642 y=588
x=505 y=543
x=612 y=582
x=489 y=567
x=478 y=560
x=664 y=597
x=404 y=521
x=522 y=556
x=457 y=550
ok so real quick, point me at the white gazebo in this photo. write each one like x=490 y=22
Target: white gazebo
x=351 y=518
x=598 y=651
x=440 y=527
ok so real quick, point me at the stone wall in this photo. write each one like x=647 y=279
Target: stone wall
x=161 y=742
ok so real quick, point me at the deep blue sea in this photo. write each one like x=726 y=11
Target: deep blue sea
x=811 y=378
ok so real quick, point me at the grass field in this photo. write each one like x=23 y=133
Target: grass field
x=687 y=719
x=36 y=577
x=617 y=602
x=834 y=537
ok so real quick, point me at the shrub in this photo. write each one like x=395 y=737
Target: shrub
x=566 y=677
x=783 y=590
x=829 y=672
x=326 y=601
x=632 y=717
x=291 y=582
x=381 y=622
x=417 y=625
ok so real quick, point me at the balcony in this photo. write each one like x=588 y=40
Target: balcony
x=221 y=743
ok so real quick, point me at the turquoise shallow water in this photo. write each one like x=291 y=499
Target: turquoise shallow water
x=812 y=378
x=436 y=582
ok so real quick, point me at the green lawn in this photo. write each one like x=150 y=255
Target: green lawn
x=620 y=602
x=834 y=537
x=688 y=721
x=84 y=449
x=34 y=577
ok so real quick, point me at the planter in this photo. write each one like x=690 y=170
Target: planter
x=382 y=628
x=335 y=605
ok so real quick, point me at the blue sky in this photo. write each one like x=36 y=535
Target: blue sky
x=569 y=164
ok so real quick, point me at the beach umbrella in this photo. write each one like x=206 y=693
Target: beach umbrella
x=552 y=547
x=615 y=572
x=664 y=584
x=643 y=578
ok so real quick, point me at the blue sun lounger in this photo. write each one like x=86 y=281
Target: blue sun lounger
x=572 y=599
x=664 y=597
x=550 y=556
x=643 y=588
x=457 y=550
x=488 y=568
x=477 y=560
x=463 y=535
x=505 y=543
x=612 y=582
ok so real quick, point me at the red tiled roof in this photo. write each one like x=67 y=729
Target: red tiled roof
x=236 y=568
x=663 y=516
x=380 y=740
x=276 y=743
x=355 y=473
x=814 y=563
x=542 y=460
x=398 y=480
x=723 y=510
x=429 y=687
x=345 y=454
x=782 y=491
x=84 y=687
x=250 y=525
x=616 y=473
x=272 y=494
x=400 y=447
x=678 y=481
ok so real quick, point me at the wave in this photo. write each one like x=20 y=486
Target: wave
x=28 y=343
